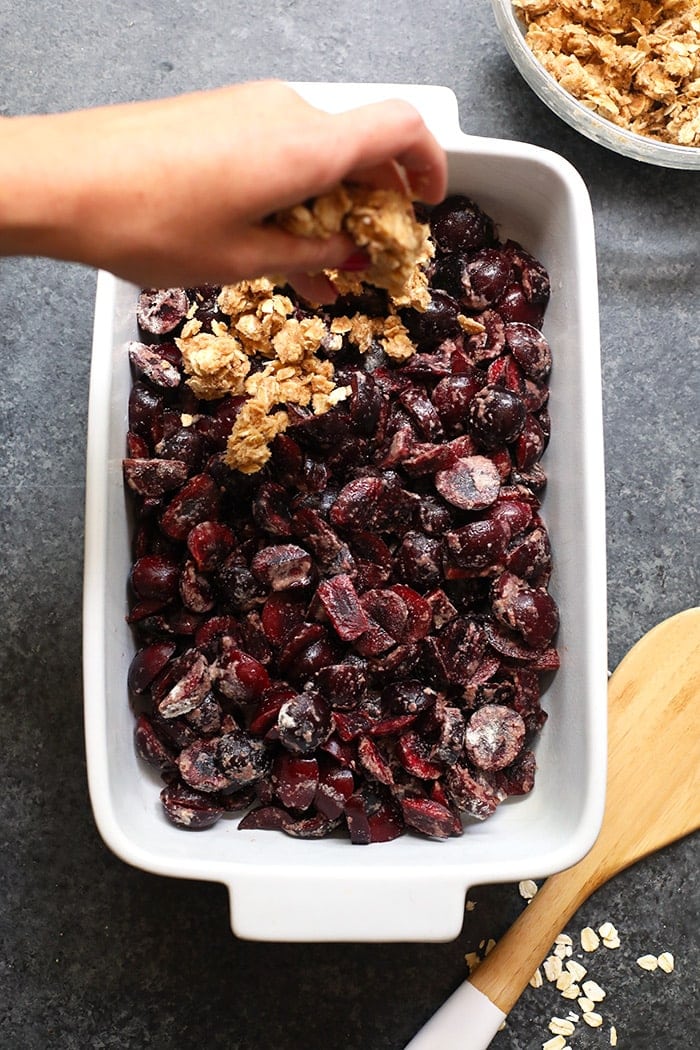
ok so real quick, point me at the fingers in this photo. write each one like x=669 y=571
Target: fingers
x=364 y=143
x=387 y=176
x=257 y=252
x=394 y=131
x=287 y=150
x=314 y=287
x=290 y=254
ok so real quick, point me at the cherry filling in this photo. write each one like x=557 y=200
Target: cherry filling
x=353 y=637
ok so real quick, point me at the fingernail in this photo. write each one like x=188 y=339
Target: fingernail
x=358 y=260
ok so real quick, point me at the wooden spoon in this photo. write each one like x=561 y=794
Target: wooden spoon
x=653 y=798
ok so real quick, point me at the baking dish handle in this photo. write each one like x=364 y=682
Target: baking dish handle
x=371 y=905
x=436 y=104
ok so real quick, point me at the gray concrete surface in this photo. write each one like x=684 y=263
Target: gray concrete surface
x=95 y=954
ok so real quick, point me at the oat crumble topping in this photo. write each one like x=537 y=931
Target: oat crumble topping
x=215 y=361
x=262 y=322
x=381 y=222
x=634 y=62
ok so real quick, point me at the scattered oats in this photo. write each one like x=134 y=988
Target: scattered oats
x=593 y=991
x=395 y=339
x=577 y=971
x=552 y=967
x=609 y=935
x=613 y=1035
x=470 y=905
x=586 y=1005
x=563 y=938
x=572 y=992
x=527 y=889
x=536 y=979
x=186 y=419
x=666 y=962
x=470 y=325
x=563 y=951
x=593 y=1020
x=564 y=981
x=571 y=1016
x=557 y=1043
x=490 y=945
x=647 y=962
x=472 y=960
x=561 y=1026
x=501 y=1026
x=589 y=939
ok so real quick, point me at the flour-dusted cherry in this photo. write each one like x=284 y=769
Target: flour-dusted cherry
x=295 y=779
x=283 y=567
x=242 y=758
x=430 y=818
x=304 y=722
x=160 y=310
x=472 y=483
x=494 y=737
x=190 y=809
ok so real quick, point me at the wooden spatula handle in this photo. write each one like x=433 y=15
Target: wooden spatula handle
x=504 y=973
x=473 y=1014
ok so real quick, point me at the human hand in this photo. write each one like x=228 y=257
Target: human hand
x=175 y=192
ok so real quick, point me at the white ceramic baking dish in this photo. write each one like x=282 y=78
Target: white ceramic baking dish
x=411 y=889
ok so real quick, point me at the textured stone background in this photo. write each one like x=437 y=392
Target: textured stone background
x=95 y=954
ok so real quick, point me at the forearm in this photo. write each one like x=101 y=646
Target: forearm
x=151 y=191
x=36 y=206
x=70 y=186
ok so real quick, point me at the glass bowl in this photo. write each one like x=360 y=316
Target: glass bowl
x=578 y=116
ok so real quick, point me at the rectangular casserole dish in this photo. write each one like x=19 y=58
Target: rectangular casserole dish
x=410 y=889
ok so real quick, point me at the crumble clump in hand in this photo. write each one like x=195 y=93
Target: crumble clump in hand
x=383 y=223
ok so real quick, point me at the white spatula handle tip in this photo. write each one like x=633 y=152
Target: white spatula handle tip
x=468 y=1020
